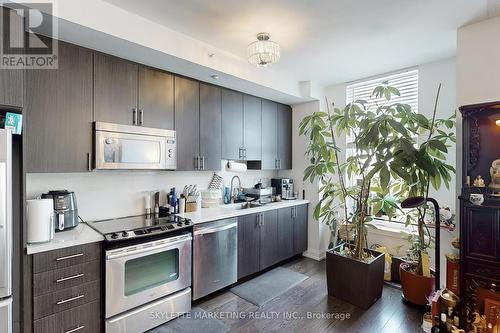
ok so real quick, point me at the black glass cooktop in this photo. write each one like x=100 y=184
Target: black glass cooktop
x=139 y=226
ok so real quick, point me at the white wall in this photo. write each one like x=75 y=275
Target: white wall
x=315 y=243
x=111 y=194
x=478 y=66
x=430 y=76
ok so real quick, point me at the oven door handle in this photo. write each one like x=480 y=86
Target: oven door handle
x=141 y=250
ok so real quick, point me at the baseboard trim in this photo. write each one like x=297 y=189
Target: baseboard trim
x=314 y=254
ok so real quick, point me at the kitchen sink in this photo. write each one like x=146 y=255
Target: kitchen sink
x=243 y=205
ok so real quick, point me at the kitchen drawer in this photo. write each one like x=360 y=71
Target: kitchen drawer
x=62 y=278
x=65 y=299
x=82 y=319
x=66 y=257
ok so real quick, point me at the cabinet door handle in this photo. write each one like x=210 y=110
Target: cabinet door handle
x=89 y=161
x=70 y=278
x=197 y=163
x=69 y=257
x=203 y=163
x=134 y=116
x=141 y=117
x=63 y=301
x=75 y=329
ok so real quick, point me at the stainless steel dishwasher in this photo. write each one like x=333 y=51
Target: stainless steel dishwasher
x=215 y=256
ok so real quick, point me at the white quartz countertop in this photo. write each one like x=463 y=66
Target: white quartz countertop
x=228 y=211
x=81 y=234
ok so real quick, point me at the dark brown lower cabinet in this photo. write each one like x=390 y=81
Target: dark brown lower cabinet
x=264 y=239
x=285 y=233
x=84 y=319
x=269 y=239
x=300 y=229
x=67 y=290
x=248 y=244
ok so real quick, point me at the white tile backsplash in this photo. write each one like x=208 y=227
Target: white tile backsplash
x=110 y=194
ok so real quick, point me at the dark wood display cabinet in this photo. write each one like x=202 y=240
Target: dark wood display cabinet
x=479 y=224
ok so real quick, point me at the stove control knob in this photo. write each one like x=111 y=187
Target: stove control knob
x=124 y=234
x=179 y=224
x=114 y=235
x=186 y=223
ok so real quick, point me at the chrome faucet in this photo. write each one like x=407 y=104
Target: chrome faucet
x=232 y=188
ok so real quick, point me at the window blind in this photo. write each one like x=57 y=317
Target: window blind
x=406 y=82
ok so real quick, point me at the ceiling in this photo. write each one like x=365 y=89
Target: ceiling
x=325 y=41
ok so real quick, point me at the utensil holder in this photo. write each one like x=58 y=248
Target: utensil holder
x=191 y=207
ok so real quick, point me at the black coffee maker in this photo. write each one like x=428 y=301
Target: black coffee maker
x=65 y=209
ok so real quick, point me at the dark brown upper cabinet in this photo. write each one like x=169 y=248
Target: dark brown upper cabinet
x=210 y=127
x=11 y=80
x=187 y=123
x=252 y=128
x=156 y=98
x=58 y=114
x=276 y=136
x=232 y=125
x=269 y=135
x=197 y=125
x=115 y=90
x=131 y=94
x=284 y=136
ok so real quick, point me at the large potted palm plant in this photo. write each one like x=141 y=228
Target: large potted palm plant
x=370 y=178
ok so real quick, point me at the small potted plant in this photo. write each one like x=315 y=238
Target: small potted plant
x=423 y=163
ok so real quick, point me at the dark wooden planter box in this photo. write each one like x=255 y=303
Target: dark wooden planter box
x=356 y=282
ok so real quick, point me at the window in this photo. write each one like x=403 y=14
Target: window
x=407 y=84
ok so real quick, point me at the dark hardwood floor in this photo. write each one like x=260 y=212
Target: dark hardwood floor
x=310 y=298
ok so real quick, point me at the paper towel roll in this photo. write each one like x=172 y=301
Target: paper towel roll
x=40 y=219
x=232 y=166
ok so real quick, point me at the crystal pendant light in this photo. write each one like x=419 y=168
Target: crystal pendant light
x=263 y=52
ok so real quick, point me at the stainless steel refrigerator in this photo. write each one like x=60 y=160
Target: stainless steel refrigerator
x=5 y=231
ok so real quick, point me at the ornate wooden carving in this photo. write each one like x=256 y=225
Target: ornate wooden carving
x=474 y=145
x=471 y=301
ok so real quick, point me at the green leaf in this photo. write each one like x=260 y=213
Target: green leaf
x=398 y=127
x=436 y=144
x=385 y=177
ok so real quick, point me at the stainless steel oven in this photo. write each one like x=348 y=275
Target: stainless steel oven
x=134 y=147
x=140 y=274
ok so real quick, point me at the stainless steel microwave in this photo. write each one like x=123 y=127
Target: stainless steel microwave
x=124 y=147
